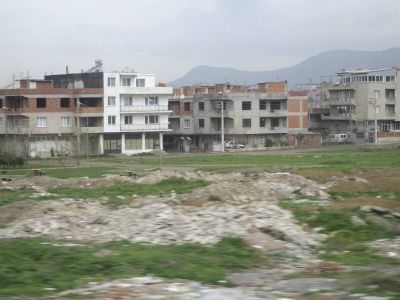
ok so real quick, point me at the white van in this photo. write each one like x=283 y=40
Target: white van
x=339 y=138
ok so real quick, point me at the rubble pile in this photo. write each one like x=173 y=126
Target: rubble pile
x=246 y=207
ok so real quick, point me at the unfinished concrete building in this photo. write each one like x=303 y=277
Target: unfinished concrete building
x=37 y=119
x=358 y=99
x=255 y=117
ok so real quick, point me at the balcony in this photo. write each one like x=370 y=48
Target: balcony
x=340 y=101
x=278 y=129
x=97 y=129
x=145 y=90
x=144 y=127
x=345 y=116
x=274 y=113
x=145 y=109
x=274 y=96
x=390 y=99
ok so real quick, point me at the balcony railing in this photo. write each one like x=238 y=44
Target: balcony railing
x=144 y=108
x=342 y=101
x=144 y=127
x=390 y=99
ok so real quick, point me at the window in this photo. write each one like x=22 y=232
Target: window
x=1 y=122
x=125 y=81
x=41 y=122
x=128 y=119
x=64 y=102
x=201 y=123
x=128 y=101
x=390 y=94
x=152 y=100
x=263 y=104
x=1 y=103
x=246 y=105
x=262 y=122
x=376 y=94
x=274 y=122
x=151 y=119
x=201 y=105
x=111 y=120
x=140 y=82
x=111 y=101
x=186 y=106
x=187 y=123
x=111 y=81
x=41 y=102
x=246 y=123
x=275 y=105
x=65 y=121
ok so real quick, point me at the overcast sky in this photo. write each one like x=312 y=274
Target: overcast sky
x=169 y=37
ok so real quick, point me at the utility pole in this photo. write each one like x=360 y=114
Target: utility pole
x=222 y=127
x=78 y=135
x=375 y=105
x=87 y=136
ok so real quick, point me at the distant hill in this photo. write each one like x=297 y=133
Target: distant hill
x=326 y=63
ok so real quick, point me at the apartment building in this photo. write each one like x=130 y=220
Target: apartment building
x=37 y=119
x=358 y=98
x=256 y=117
x=135 y=112
x=103 y=112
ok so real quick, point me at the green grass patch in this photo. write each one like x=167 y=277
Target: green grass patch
x=69 y=172
x=11 y=196
x=124 y=189
x=214 y=198
x=347 y=159
x=27 y=266
x=346 y=241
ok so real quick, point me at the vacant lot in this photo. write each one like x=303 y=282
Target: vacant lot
x=344 y=202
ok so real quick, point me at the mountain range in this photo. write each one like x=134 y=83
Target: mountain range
x=311 y=69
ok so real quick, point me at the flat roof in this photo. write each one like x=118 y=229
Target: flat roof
x=362 y=71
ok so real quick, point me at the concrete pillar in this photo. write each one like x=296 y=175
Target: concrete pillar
x=122 y=143
x=101 y=143
x=143 y=141
x=161 y=141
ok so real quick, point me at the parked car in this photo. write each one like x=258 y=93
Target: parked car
x=233 y=145
x=339 y=138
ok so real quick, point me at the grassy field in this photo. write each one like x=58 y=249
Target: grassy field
x=372 y=178
x=28 y=266
x=326 y=160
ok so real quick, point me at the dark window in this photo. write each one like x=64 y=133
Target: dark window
x=201 y=105
x=186 y=106
x=41 y=102
x=201 y=123
x=263 y=104
x=274 y=122
x=246 y=123
x=262 y=122
x=65 y=102
x=275 y=105
x=246 y=105
x=1 y=103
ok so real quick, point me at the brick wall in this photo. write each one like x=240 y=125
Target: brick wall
x=305 y=140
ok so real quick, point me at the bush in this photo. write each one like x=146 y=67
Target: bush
x=9 y=161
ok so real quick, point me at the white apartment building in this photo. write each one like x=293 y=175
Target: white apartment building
x=135 y=113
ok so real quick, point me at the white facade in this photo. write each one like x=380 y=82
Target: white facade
x=134 y=105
